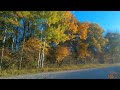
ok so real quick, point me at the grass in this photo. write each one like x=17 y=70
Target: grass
x=14 y=72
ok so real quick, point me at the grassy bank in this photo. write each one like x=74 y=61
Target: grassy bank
x=14 y=72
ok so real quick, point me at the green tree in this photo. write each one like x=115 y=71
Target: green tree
x=112 y=49
x=96 y=40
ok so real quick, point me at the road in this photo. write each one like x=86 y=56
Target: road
x=99 y=73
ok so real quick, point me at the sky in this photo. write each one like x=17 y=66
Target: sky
x=108 y=20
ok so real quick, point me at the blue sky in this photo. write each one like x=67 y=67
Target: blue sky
x=108 y=20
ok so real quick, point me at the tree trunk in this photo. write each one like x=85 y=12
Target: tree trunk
x=40 y=54
x=16 y=38
x=43 y=54
x=13 y=44
x=4 y=39
x=39 y=59
x=1 y=58
x=24 y=37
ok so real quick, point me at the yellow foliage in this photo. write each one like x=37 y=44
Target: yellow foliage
x=13 y=22
x=22 y=14
x=94 y=40
x=97 y=45
x=19 y=14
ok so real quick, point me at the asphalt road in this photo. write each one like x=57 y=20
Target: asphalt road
x=99 y=73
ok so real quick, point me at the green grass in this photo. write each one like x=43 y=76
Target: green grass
x=54 y=68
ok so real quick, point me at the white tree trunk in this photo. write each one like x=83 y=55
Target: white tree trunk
x=41 y=51
x=1 y=58
x=13 y=44
x=22 y=54
x=43 y=55
x=39 y=59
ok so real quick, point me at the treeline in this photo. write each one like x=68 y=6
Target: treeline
x=34 y=39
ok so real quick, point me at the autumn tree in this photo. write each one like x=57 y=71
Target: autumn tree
x=61 y=53
x=54 y=29
x=31 y=51
x=5 y=22
x=96 y=41
x=27 y=35
x=83 y=52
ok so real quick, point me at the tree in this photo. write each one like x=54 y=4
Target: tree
x=31 y=49
x=4 y=21
x=61 y=53
x=53 y=29
x=96 y=40
x=112 y=49
x=83 y=52
x=28 y=35
x=83 y=30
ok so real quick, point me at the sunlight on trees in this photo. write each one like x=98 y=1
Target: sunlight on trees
x=31 y=39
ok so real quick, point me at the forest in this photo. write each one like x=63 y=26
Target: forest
x=38 y=39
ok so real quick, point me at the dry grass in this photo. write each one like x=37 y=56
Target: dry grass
x=54 y=68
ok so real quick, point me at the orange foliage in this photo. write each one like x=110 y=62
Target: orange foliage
x=61 y=53
x=67 y=14
x=33 y=43
x=83 y=30
x=31 y=49
x=83 y=52
x=74 y=27
x=71 y=22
